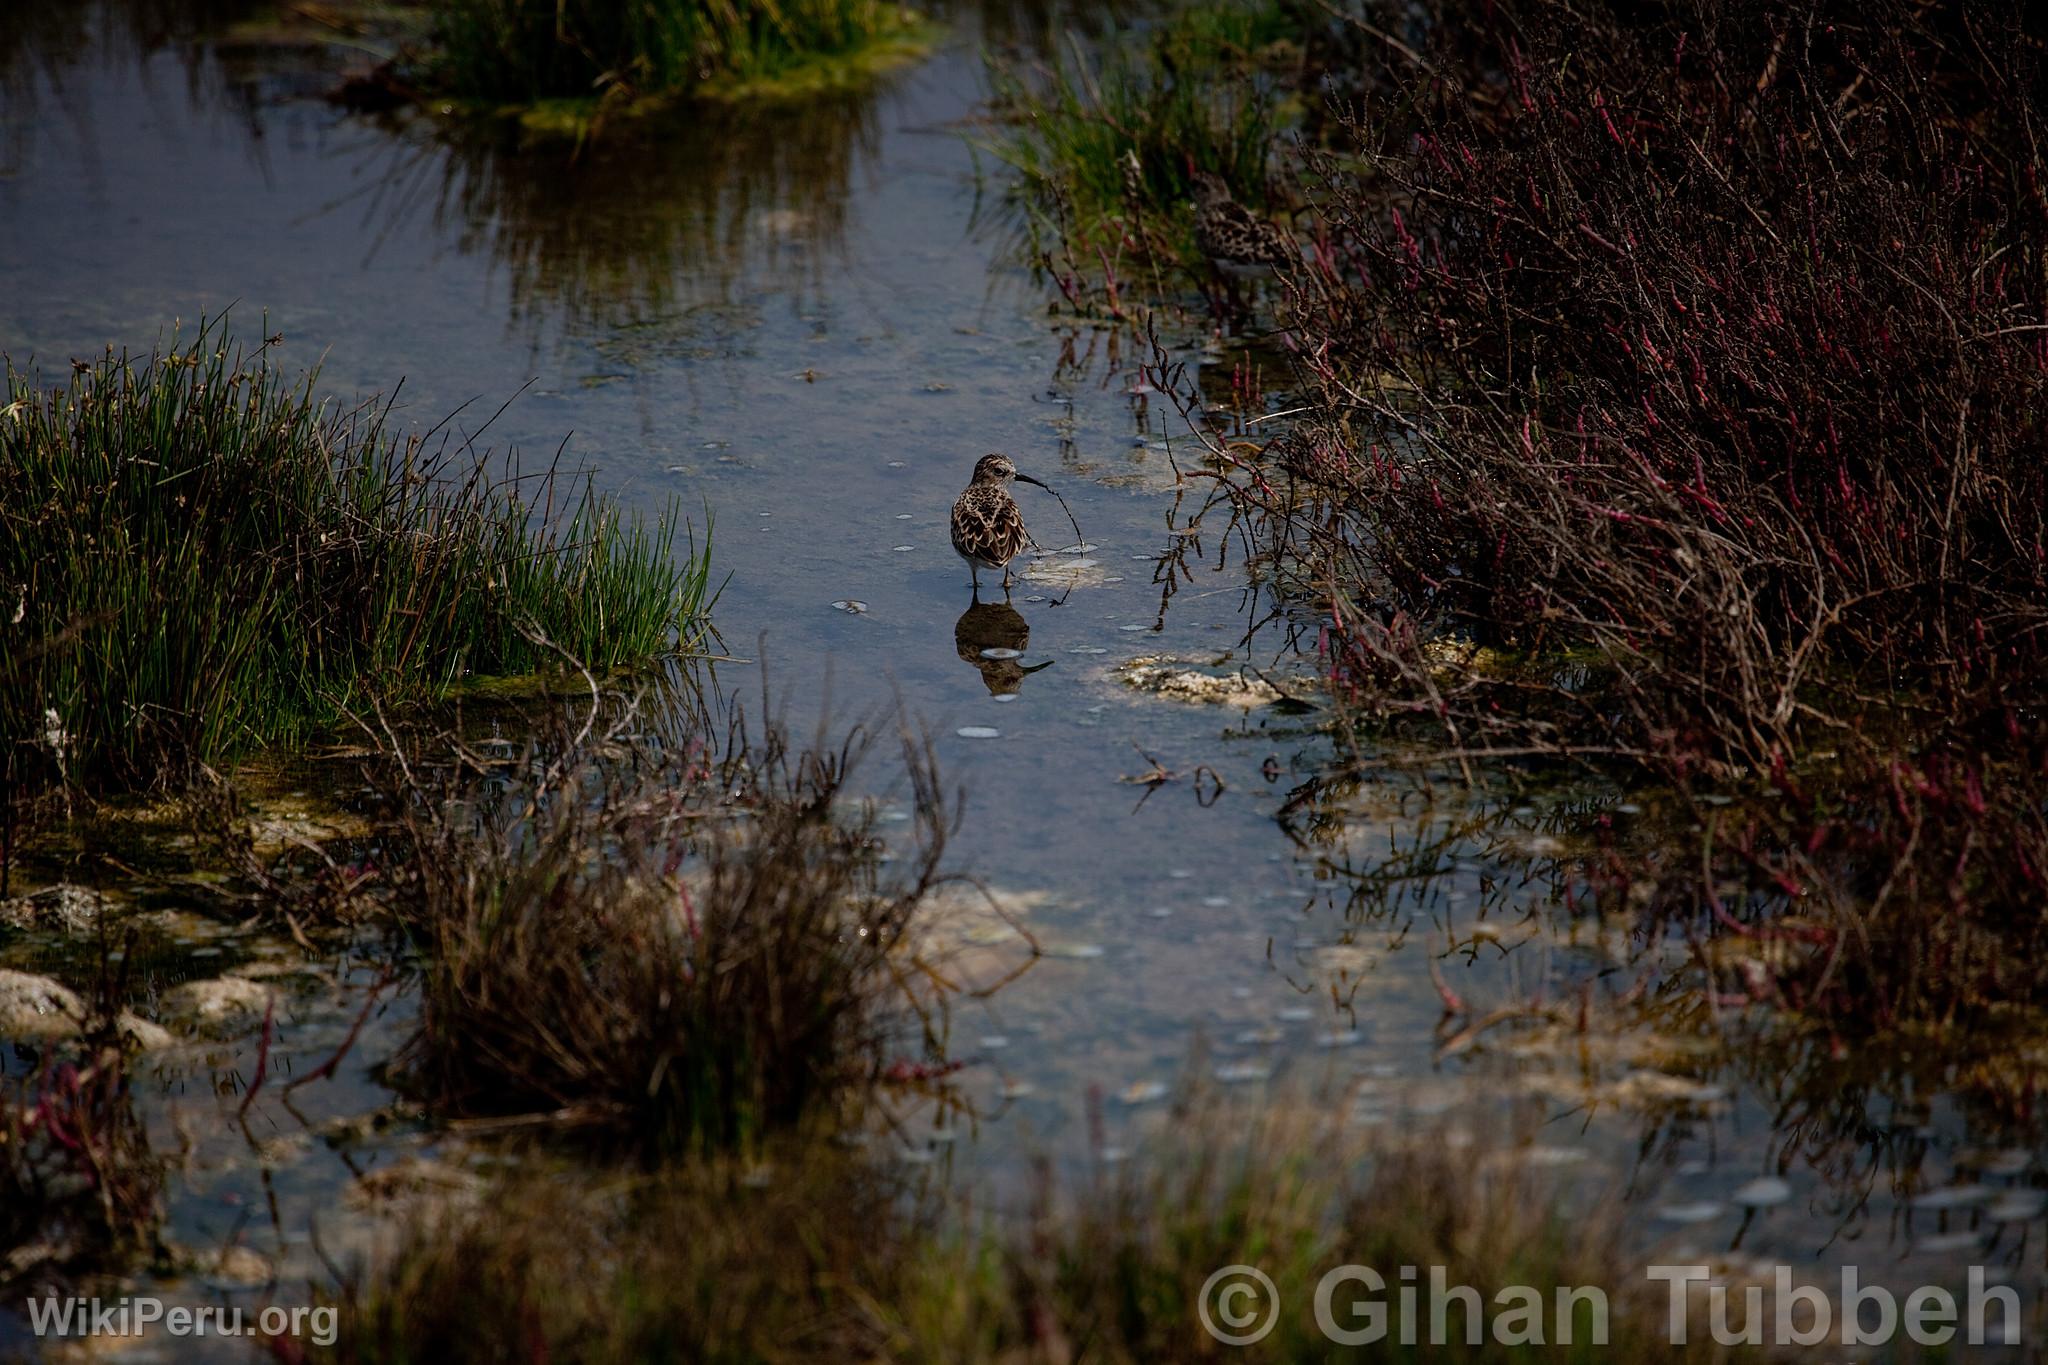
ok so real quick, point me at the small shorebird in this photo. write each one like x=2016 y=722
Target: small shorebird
x=988 y=530
x=1237 y=242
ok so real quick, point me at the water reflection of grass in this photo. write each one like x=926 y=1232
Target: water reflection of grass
x=631 y=231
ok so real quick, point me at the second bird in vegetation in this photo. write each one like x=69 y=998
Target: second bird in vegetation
x=1236 y=241
x=988 y=530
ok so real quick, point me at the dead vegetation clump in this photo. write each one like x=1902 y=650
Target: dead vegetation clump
x=679 y=943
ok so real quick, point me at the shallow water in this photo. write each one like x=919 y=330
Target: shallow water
x=800 y=325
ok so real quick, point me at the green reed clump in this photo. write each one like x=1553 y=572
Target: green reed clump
x=1105 y=149
x=670 y=946
x=199 y=556
x=824 y=1257
x=525 y=50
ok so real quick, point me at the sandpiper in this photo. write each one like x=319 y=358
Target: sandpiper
x=988 y=530
x=1237 y=242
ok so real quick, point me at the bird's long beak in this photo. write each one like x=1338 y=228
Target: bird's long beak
x=1026 y=478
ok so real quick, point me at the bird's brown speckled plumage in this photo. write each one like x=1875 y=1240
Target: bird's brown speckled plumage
x=1231 y=236
x=988 y=530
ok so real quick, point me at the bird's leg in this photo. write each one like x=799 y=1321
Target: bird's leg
x=974 y=574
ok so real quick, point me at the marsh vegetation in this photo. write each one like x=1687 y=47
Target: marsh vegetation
x=1580 y=632
x=204 y=558
x=1661 y=388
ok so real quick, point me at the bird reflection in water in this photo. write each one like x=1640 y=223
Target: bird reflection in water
x=998 y=629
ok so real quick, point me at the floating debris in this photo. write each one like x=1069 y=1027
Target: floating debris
x=66 y=908
x=1143 y=1092
x=237 y=1267
x=2010 y=1161
x=218 y=1003
x=978 y=732
x=1086 y=649
x=1699 y=1211
x=903 y=549
x=1954 y=1197
x=1764 y=1192
x=1544 y=1157
x=413 y=1177
x=1001 y=652
x=1056 y=570
x=851 y=606
x=1165 y=677
x=1081 y=951
x=34 y=1006
x=2017 y=1206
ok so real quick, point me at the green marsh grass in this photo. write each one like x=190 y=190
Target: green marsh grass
x=1105 y=148
x=529 y=51
x=199 y=557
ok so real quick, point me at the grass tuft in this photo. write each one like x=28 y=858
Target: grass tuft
x=677 y=948
x=197 y=557
x=524 y=51
x=1105 y=148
